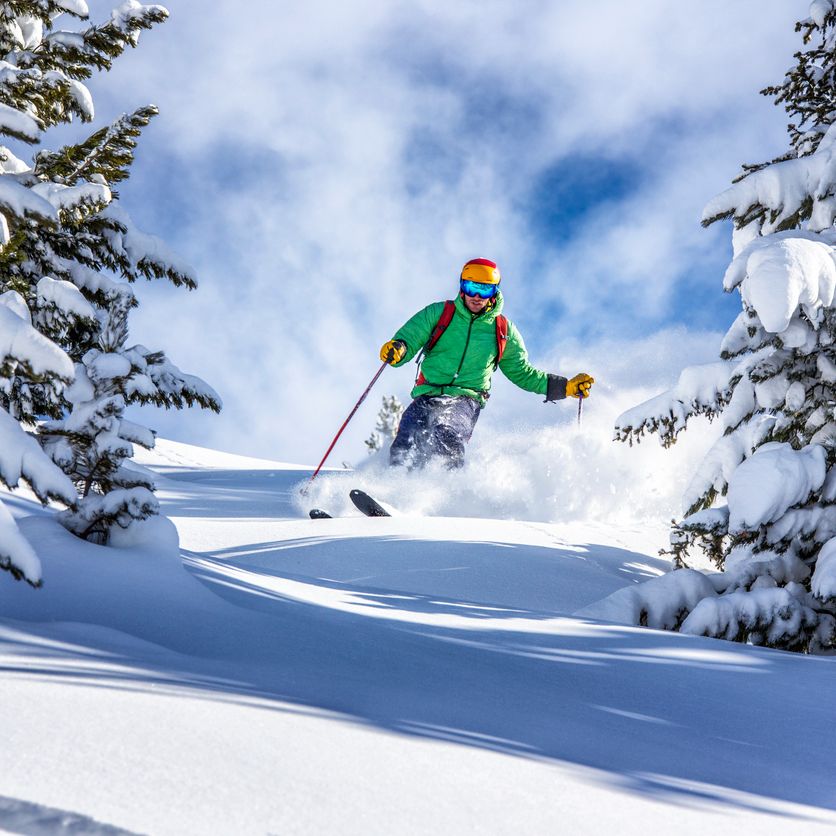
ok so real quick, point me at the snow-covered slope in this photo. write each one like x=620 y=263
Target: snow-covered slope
x=403 y=675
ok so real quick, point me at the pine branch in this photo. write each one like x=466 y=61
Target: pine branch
x=108 y=153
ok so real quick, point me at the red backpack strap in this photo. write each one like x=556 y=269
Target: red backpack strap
x=501 y=337
x=435 y=335
x=441 y=326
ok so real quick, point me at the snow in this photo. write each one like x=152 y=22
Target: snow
x=659 y=603
x=106 y=365
x=68 y=197
x=775 y=478
x=123 y=16
x=162 y=378
x=71 y=40
x=21 y=201
x=128 y=506
x=65 y=296
x=94 y=281
x=17 y=304
x=20 y=342
x=76 y=7
x=783 y=188
x=140 y=246
x=17 y=123
x=83 y=98
x=777 y=274
x=819 y=10
x=776 y=612
x=824 y=578
x=11 y=164
x=722 y=460
x=698 y=389
x=21 y=457
x=14 y=549
x=413 y=674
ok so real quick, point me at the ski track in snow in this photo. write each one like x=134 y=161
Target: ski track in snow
x=401 y=675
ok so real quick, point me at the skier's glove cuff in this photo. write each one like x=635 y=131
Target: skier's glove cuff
x=555 y=388
x=393 y=351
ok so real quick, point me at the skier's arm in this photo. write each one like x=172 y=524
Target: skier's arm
x=416 y=331
x=515 y=366
x=555 y=387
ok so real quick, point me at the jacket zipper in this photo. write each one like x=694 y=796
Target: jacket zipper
x=442 y=386
x=464 y=353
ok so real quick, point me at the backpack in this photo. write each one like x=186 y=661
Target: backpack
x=441 y=326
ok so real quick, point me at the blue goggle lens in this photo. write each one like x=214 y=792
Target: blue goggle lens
x=480 y=289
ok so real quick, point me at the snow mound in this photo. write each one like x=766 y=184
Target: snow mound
x=660 y=603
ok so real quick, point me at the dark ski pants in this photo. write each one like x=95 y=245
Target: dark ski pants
x=434 y=426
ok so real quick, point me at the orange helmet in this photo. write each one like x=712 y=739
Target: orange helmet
x=481 y=270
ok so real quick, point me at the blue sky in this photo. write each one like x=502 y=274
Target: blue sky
x=328 y=167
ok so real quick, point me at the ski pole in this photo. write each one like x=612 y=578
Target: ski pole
x=350 y=416
x=580 y=407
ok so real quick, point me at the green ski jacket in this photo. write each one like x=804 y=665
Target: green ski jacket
x=462 y=361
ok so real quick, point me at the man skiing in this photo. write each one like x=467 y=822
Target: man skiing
x=462 y=344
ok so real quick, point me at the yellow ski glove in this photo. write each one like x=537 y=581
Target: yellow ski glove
x=579 y=386
x=393 y=351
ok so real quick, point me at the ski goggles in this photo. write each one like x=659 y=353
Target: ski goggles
x=480 y=289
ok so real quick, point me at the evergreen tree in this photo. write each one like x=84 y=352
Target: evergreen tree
x=69 y=254
x=95 y=440
x=386 y=427
x=763 y=503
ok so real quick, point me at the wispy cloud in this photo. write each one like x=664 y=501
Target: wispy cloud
x=327 y=167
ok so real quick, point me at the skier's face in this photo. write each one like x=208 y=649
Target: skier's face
x=475 y=304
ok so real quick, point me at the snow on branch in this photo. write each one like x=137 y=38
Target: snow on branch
x=120 y=507
x=74 y=7
x=720 y=462
x=73 y=198
x=819 y=10
x=779 y=274
x=160 y=382
x=777 y=617
x=18 y=200
x=824 y=578
x=21 y=458
x=701 y=390
x=105 y=156
x=16 y=555
x=782 y=194
x=147 y=253
x=773 y=480
x=131 y=16
x=20 y=125
x=22 y=346
x=661 y=603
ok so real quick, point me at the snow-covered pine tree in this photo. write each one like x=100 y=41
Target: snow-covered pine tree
x=763 y=503
x=69 y=253
x=386 y=427
x=95 y=440
x=26 y=355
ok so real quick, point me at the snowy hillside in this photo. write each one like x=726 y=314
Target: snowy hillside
x=404 y=675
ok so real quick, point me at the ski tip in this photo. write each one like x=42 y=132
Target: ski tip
x=366 y=505
x=317 y=514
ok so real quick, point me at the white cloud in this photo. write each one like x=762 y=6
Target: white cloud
x=331 y=166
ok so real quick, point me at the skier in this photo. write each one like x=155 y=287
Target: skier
x=461 y=344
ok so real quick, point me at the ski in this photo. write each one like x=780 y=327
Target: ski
x=317 y=514
x=368 y=506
